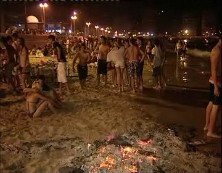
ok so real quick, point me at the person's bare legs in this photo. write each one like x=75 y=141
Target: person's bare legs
x=118 y=78
x=105 y=79
x=211 y=126
x=98 y=79
x=141 y=82
x=132 y=79
x=208 y=112
x=67 y=87
x=81 y=84
x=114 y=77
x=121 y=78
x=23 y=79
x=84 y=83
x=43 y=106
x=60 y=88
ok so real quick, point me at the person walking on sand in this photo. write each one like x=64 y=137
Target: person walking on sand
x=83 y=57
x=214 y=105
x=61 y=58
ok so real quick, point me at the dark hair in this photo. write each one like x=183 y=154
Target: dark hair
x=8 y=38
x=83 y=45
x=22 y=41
x=103 y=37
x=132 y=41
x=157 y=42
x=52 y=37
x=3 y=40
x=15 y=35
x=41 y=77
x=45 y=87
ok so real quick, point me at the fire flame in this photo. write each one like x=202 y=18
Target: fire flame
x=129 y=157
x=132 y=169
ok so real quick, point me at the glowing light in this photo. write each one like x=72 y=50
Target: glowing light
x=88 y=24
x=43 y=5
x=73 y=17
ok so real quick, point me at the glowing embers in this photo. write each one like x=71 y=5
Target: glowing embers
x=125 y=159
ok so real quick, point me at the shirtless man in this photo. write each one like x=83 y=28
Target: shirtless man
x=215 y=102
x=102 y=57
x=141 y=63
x=36 y=103
x=133 y=53
x=83 y=57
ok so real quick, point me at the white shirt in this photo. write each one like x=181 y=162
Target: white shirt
x=157 y=52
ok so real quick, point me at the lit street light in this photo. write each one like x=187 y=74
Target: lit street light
x=88 y=24
x=102 y=29
x=43 y=6
x=97 y=27
x=74 y=22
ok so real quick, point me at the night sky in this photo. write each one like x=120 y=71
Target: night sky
x=122 y=14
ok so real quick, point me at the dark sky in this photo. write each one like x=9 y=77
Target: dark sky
x=121 y=14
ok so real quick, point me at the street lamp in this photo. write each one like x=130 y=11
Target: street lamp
x=102 y=29
x=43 y=6
x=74 y=22
x=97 y=27
x=106 y=32
x=88 y=24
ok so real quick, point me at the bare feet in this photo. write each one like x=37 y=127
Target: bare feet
x=213 y=135
x=205 y=128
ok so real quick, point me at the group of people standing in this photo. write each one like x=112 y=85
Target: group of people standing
x=124 y=59
x=15 y=62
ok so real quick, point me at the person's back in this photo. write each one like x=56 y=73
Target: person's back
x=61 y=54
x=133 y=53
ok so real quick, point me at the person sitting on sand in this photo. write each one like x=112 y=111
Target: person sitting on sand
x=36 y=103
x=49 y=92
x=83 y=57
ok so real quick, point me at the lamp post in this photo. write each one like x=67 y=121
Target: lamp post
x=102 y=29
x=43 y=6
x=74 y=22
x=97 y=27
x=88 y=24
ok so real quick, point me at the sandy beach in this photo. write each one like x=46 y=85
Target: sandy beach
x=72 y=139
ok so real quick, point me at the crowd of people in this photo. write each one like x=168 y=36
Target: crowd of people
x=124 y=59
